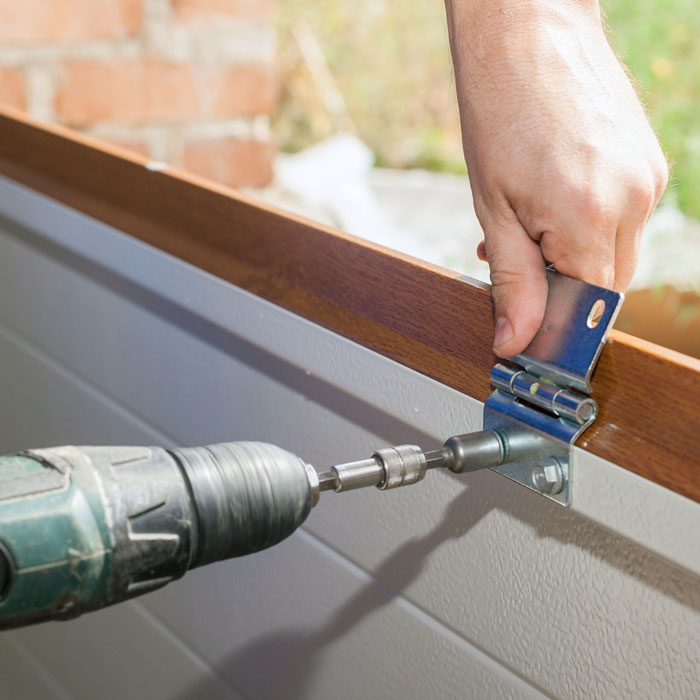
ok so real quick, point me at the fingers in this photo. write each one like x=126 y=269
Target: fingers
x=519 y=285
x=627 y=245
x=582 y=253
x=642 y=198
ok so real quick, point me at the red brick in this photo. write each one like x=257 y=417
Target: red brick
x=146 y=91
x=12 y=88
x=243 y=9
x=231 y=161
x=59 y=21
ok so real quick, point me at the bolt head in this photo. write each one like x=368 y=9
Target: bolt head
x=547 y=477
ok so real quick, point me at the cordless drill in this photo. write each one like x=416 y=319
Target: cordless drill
x=82 y=528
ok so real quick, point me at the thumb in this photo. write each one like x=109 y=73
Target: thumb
x=519 y=286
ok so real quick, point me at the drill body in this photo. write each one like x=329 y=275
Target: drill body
x=82 y=528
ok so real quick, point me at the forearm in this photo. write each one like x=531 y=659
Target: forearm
x=496 y=44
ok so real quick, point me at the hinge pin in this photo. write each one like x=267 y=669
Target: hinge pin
x=545 y=394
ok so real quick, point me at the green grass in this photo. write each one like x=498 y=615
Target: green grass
x=390 y=61
x=658 y=40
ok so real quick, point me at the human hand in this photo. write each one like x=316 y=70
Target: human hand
x=563 y=164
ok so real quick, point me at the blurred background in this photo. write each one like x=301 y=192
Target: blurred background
x=343 y=111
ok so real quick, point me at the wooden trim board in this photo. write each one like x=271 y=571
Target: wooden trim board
x=421 y=315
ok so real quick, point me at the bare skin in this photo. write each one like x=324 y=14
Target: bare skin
x=563 y=164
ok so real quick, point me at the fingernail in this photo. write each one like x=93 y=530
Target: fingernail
x=504 y=332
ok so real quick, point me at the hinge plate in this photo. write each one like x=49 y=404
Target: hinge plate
x=535 y=393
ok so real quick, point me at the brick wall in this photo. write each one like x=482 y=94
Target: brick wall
x=189 y=82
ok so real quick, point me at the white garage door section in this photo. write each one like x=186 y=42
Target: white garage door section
x=459 y=587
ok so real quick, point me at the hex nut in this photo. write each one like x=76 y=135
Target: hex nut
x=547 y=477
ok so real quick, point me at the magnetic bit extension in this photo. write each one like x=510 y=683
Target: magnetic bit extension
x=392 y=467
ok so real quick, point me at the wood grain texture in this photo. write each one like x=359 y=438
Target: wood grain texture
x=423 y=316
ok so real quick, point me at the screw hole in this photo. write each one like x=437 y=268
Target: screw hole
x=595 y=314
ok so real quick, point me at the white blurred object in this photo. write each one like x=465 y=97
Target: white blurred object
x=334 y=175
x=435 y=208
x=426 y=215
x=670 y=252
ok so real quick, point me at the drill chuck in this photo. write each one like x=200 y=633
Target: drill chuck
x=244 y=509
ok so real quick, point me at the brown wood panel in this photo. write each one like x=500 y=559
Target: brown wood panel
x=421 y=315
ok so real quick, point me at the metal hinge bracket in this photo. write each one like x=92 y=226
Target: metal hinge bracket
x=542 y=396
